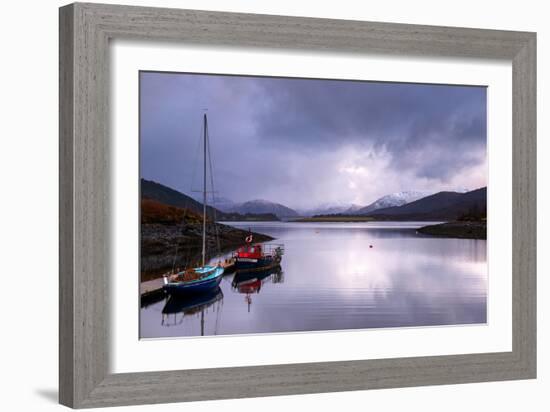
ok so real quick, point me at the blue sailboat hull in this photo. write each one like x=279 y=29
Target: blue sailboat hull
x=198 y=286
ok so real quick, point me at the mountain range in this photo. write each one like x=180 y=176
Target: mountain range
x=391 y=200
x=168 y=196
x=439 y=206
x=406 y=205
x=257 y=206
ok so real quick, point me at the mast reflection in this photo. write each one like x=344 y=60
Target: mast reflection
x=177 y=308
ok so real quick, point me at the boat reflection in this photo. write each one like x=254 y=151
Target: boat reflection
x=249 y=282
x=178 y=307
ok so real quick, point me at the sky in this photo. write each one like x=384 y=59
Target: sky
x=306 y=143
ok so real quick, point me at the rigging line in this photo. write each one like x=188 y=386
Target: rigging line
x=196 y=159
x=184 y=227
x=187 y=200
x=216 y=231
x=175 y=257
x=220 y=303
x=187 y=258
x=204 y=194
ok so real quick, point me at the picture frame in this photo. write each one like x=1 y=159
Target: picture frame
x=84 y=358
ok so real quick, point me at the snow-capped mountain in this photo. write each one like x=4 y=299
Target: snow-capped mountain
x=461 y=190
x=393 y=199
x=444 y=205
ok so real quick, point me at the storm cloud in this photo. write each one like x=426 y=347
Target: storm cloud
x=304 y=142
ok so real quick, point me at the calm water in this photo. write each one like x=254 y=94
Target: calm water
x=331 y=278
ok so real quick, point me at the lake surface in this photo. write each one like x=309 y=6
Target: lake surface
x=337 y=276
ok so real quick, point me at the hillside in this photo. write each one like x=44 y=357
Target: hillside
x=171 y=197
x=153 y=212
x=392 y=200
x=165 y=229
x=439 y=206
x=168 y=196
x=255 y=208
x=260 y=206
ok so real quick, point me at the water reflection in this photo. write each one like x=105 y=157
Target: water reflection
x=251 y=282
x=177 y=308
x=342 y=276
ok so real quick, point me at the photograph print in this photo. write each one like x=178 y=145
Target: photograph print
x=280 y=205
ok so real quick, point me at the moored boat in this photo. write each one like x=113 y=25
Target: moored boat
x=196 y=280
x=257 y=257
x=205 y=277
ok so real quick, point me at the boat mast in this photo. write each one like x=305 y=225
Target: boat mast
x=204 y=197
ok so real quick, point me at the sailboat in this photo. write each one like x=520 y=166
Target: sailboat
x=205 y=277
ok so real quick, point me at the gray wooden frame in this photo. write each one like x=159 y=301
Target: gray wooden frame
x=85 y=31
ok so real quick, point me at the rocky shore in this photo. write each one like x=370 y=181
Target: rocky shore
x=170 y=234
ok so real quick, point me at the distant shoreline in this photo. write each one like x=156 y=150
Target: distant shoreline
x=457 y=230
x=336 y=219
x=466 y=229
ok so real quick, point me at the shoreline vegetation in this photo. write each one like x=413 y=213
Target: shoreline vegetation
x=457 y=229
x=466 y=227
x=172 y=237
x=335 y=219
x=250 y=217
x=471 y=224
x=454 y=229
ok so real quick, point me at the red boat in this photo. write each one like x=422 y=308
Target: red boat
x=253 y=257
